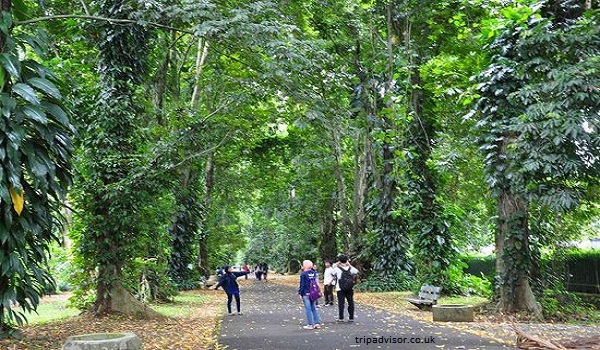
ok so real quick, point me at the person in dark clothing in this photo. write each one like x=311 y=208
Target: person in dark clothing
x=258 y=272
x=343 y=294
x=313 y=319
x=229 y=283
x=265 y=269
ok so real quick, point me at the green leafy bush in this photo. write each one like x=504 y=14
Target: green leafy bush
x=61 y=267
x=480 y=265
x=562 y=306
x=457 y=282
x=401 y=281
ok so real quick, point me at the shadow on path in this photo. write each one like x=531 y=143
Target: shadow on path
x=273 y=318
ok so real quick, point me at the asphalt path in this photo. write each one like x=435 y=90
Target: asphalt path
x=273 y=318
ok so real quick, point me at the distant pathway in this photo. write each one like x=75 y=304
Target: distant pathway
x=273 y=318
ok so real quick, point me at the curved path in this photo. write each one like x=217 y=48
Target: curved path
x=273 y=318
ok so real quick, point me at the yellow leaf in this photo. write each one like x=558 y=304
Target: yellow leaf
x=18 y=200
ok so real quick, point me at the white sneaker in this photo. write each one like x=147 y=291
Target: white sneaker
x=310 y=326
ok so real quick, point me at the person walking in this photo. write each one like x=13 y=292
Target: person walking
x=258 y=272
x=265 y=269
x=229 y=283
x=344 y=274
x=307 y=278
x=328 y=283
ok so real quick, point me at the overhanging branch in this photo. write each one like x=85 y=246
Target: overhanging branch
x=98 y=18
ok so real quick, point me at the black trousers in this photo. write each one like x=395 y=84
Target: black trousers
x=342 y=297
x=329 y=294
x=229 y=300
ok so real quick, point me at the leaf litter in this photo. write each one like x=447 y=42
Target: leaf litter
x=195 y=330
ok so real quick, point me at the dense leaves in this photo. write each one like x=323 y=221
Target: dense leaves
x=539 y=136
x=229 y=132
x=35 y=171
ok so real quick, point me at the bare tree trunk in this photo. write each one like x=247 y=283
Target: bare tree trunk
x=200 y=58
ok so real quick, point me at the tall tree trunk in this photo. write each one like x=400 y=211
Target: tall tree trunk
x=112 y=140
x=209 y=175
x=363 y=161
x=185 y=227
x=340 y=195
x=328 y=244
x=202 y=52
x=513 y=256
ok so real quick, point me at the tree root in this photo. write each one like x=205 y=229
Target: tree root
x=531 y=342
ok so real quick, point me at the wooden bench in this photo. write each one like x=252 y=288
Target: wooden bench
x=428 y=297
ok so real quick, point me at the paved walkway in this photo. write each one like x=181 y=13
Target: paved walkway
x=273 y=318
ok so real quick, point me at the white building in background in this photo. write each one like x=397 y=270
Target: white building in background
x=595 y=243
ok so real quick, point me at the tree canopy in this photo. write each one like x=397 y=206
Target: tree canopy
x=186 y=135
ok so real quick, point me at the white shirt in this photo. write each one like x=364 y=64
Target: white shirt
x=338 y=273
x=328 y=276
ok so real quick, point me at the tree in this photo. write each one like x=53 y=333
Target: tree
x=538 y=129
x=112 y=196
x=35 y=166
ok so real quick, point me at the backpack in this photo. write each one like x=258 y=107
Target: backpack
x=315 y=292
x=346 y=281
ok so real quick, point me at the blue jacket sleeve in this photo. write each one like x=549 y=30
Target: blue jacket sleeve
x=221 y=282
x=304 y=284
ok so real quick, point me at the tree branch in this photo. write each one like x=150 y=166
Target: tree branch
x=97 y=18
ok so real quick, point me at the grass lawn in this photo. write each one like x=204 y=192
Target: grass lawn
x=53 y=308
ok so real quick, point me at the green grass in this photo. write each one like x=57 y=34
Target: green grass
x=52 y=311
x=56 y=310
x=182 y=306
x=462 y=300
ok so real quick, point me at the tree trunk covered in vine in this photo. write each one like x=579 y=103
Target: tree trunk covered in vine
x=209 y=180
x=329 y=228
x=112 y=196
x=514 y=260
x=184 y=228
x=363 y=162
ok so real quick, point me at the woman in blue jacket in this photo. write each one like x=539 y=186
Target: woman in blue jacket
x=231 y=287
x=313 y=319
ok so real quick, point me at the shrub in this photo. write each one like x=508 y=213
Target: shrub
x=560 y=305
x=457 y=282
x=401 y=281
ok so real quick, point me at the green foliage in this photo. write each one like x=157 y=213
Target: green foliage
x=148 y=281
x=35 y=171
x=400 y=281
x=562 y=306
x=457 y=282
x=534 y=111
x=61 y=268
x=484 y=266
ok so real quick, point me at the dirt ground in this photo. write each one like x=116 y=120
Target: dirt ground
x=193 y=332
